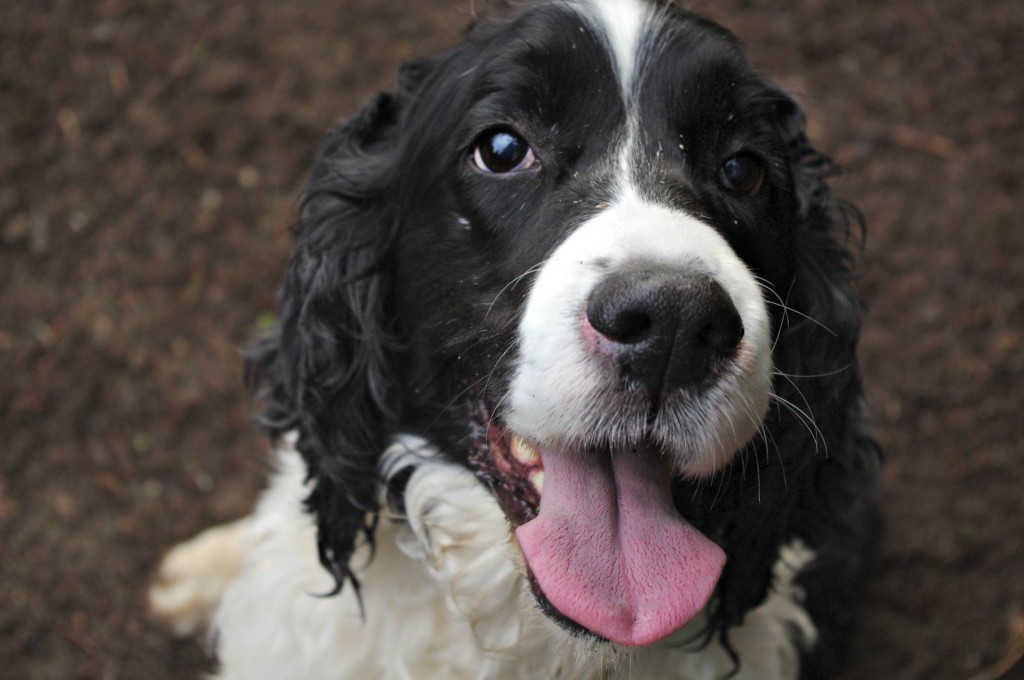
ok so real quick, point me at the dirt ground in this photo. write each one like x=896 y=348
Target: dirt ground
x=151 y=152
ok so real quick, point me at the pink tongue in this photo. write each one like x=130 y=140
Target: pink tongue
x=610 y=551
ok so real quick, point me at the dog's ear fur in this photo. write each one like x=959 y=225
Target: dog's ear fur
x=836 y=493
x=328 y=371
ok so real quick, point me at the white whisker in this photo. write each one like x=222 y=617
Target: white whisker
x=806 y=419
x=512 y=284
x=811 y=376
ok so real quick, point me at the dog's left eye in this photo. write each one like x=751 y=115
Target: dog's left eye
x=502 y=151
x=742 y=173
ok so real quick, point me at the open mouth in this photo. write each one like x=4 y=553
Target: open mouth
x=606 y=550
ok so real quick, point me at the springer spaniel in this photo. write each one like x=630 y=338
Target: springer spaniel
x=565 y=382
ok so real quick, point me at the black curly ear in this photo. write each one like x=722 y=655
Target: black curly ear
x=833 y=487
x=327 y=371
x=816 y=355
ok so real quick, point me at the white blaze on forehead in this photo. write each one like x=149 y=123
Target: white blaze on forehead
x=624 y=26
x=623 y=23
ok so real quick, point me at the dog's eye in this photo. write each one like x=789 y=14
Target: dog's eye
x=743 y=173
x=502 y=151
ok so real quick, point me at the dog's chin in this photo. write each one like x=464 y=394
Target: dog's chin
x=607 y=553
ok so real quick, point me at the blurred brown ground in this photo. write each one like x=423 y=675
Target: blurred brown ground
x=151 y=153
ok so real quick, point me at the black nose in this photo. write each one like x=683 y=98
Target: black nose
x=667 y=329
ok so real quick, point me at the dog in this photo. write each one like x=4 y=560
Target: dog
x=565 y=380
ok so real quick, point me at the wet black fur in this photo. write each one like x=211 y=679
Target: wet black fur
x=394 y=314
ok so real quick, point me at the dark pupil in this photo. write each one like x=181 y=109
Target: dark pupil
x=503 y=151
x=743 y=174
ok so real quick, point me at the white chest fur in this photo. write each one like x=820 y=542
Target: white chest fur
x=444 y=598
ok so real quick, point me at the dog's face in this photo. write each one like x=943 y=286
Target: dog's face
x=610 y=212
x=576 y=232
x=599 y=217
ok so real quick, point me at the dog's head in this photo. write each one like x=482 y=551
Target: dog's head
x=590 y=254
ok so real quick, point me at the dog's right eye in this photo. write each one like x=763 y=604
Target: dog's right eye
x=743 y=174
x=502 y=151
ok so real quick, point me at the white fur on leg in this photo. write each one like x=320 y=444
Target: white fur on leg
x=194 y=574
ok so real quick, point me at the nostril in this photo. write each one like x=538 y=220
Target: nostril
x=723 y=332
x=619 y=324
x=627 y=308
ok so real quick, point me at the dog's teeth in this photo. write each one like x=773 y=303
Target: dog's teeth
x=537 y=479
x=524 y=453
